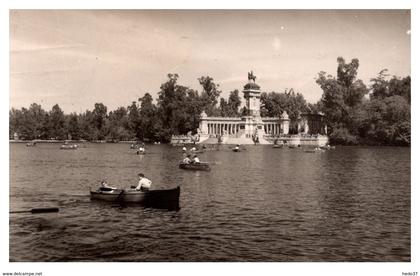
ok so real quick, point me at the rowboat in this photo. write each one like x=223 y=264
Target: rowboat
x=31 y=144
x=236 y=150
x=313 y=150
x=195 y=166
x=166 y=199
x=68 y=147
x=327 y=147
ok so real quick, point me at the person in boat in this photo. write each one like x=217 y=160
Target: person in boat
x=141 y=149
x=184 y=149
x=187 y=159
x=237 y=147
x=144 y=183
x=193 y=149
x=195 y=159
x=106 y=187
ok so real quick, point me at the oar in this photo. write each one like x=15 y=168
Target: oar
x=37 y=210
x=120 y=195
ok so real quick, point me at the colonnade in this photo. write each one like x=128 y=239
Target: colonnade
x=223 y=128
x=272 y=128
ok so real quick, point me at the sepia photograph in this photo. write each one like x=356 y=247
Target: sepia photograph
x=209 y=136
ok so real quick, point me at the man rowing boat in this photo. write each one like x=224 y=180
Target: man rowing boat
x=144 y=183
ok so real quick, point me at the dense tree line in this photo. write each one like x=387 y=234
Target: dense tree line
x=355 y=113
x=177 y=111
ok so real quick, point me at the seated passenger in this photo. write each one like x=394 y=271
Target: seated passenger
x=195 y=159
x=106 y=187
x=187 y=159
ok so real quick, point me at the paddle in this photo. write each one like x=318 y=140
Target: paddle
x=37 y=210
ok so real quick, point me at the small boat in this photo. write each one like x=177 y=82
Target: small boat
x=312 y=150
x=141 y=152
x=31 y=144
x=277 y=146
x=69 y=146
x=195 y=166
x=327 y=147
x=236 y=150
x=134 y=146
x=166 y=199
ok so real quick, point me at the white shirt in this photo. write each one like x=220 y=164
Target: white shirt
x=196 y=160
x=145 y=183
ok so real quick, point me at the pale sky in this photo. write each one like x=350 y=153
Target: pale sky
x=76 y=58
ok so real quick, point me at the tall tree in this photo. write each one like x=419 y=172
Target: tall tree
x=134 y=123
x=341 y=97
x=234 y=102
x=73 y=128
x=117 y=125
x=99 y=116
x=57 y=123
x=147 y=117
x=209 y=95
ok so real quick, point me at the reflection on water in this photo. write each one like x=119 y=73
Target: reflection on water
x=262 y=204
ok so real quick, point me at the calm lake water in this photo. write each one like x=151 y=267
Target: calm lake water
x=262 y=204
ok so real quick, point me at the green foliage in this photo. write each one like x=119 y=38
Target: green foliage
x=274 y=104
x=352 y=119
x=73 y=128
x=209 y=95
x=179 y=107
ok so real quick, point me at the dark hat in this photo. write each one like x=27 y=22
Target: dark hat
x=141 y=174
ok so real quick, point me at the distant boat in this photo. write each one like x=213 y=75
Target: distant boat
x=139 y=152
x=327 y=147
x=236 y=150
x=313 y=150
x=69 y=146
x=195 y=166
x=277 y=146
x=168 y=199
x=31 y=144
